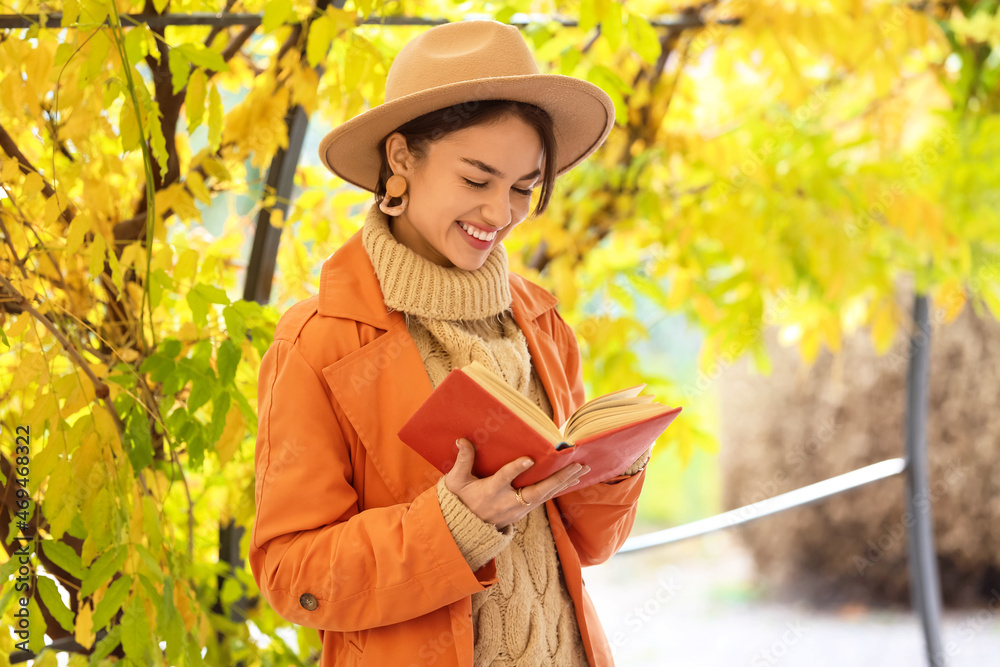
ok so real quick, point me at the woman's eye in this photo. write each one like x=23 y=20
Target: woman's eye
x=526 y=193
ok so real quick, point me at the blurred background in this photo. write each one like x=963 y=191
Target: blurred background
x=783 y=178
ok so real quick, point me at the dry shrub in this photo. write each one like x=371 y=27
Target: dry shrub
x=804 y=424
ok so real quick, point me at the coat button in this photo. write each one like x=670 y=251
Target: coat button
x=308 y=601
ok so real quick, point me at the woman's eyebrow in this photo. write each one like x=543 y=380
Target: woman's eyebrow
x=479 y=164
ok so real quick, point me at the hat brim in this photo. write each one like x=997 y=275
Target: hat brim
x=582 y=116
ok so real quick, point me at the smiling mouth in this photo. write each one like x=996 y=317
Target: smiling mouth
x=476 y=232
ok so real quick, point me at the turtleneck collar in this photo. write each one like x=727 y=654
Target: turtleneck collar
x=415 y=285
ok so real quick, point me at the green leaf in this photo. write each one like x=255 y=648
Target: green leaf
x=171 y=347
x=643 y=38
x=180 y=68
x=64 y=556
x=151 y=523
x=159 y=366
x=106 y=564
x=147 y=557
x=611 y=25
x=135 y=632
x=228 y=358
x=53 y=602
x=276 y=12
x=202 y=56
x=201 y=391
x=138 y=439
x=135 y=44
x=609 y=82
x=196 y=450
x=105 y=646
x=236 y=324
x=169 y=625
x=220 y=406
x=200 y=296
x=588 y=15
x=111 y=602
x=36 y=641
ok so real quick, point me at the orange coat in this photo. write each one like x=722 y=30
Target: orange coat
x=349 y=537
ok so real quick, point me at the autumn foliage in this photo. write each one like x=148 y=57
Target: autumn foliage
x=773 y=163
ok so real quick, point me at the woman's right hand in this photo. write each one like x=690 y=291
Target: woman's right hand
x=493 y=498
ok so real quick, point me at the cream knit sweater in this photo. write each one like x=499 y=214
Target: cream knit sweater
x=455 y=316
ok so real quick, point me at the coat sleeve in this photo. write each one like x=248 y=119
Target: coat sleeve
x=311 y=547
x=598 y=518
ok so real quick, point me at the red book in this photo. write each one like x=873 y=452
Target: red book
x=607 y=433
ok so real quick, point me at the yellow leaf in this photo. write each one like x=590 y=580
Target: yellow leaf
x=196 y=184
x=33 y=184
x=809 y=345
x=46 y=659
x=832 y=333
x=950 y=298
x=31 y=368
x=883 y=326
x=128 y=127
x=117 y=277
x=9 y=170
x=77 y=231
x=84 y=632
x=186 y=267
x=992 y=300
x=318 y=42
x=232 y=435
x=215 y=112
x=305 y=83
x=194 y=99
x=182 y=603
x=97 y=252
x=277 y=219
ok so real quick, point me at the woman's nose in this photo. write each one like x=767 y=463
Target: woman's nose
x=497 y=211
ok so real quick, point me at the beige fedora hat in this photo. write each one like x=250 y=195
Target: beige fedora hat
x=456 y=63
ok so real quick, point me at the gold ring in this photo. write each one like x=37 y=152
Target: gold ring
x=520 y=499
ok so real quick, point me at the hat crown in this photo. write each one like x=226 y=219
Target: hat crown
x=458 y=52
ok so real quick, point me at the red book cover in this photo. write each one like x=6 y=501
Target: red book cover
x=460 y=407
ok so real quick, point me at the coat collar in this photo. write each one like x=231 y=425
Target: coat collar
x=349 y=288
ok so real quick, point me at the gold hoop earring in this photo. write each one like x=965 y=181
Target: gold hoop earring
x=395 y=187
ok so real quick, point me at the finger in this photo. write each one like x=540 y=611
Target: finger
x=559 y=481
x=507 y=473
x=462 y=469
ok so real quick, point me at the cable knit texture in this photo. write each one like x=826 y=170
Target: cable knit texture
x=456 y=316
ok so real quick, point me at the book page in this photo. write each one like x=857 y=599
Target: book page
x=597 y=422
x=602 y=405
x=518 y=403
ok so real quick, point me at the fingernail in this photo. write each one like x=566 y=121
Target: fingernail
x=575 y=481
x=527 y=463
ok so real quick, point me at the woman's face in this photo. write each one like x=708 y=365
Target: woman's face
x=481 y=176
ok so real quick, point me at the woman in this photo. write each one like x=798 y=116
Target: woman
x=358 y=536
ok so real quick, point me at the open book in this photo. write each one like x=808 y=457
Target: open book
x=608 y=433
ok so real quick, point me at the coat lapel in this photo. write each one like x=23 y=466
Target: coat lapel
x=382 y=383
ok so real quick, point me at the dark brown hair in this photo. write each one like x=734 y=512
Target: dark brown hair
x=434 y=126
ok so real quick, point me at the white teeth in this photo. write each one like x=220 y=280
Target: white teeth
x=477 y=233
